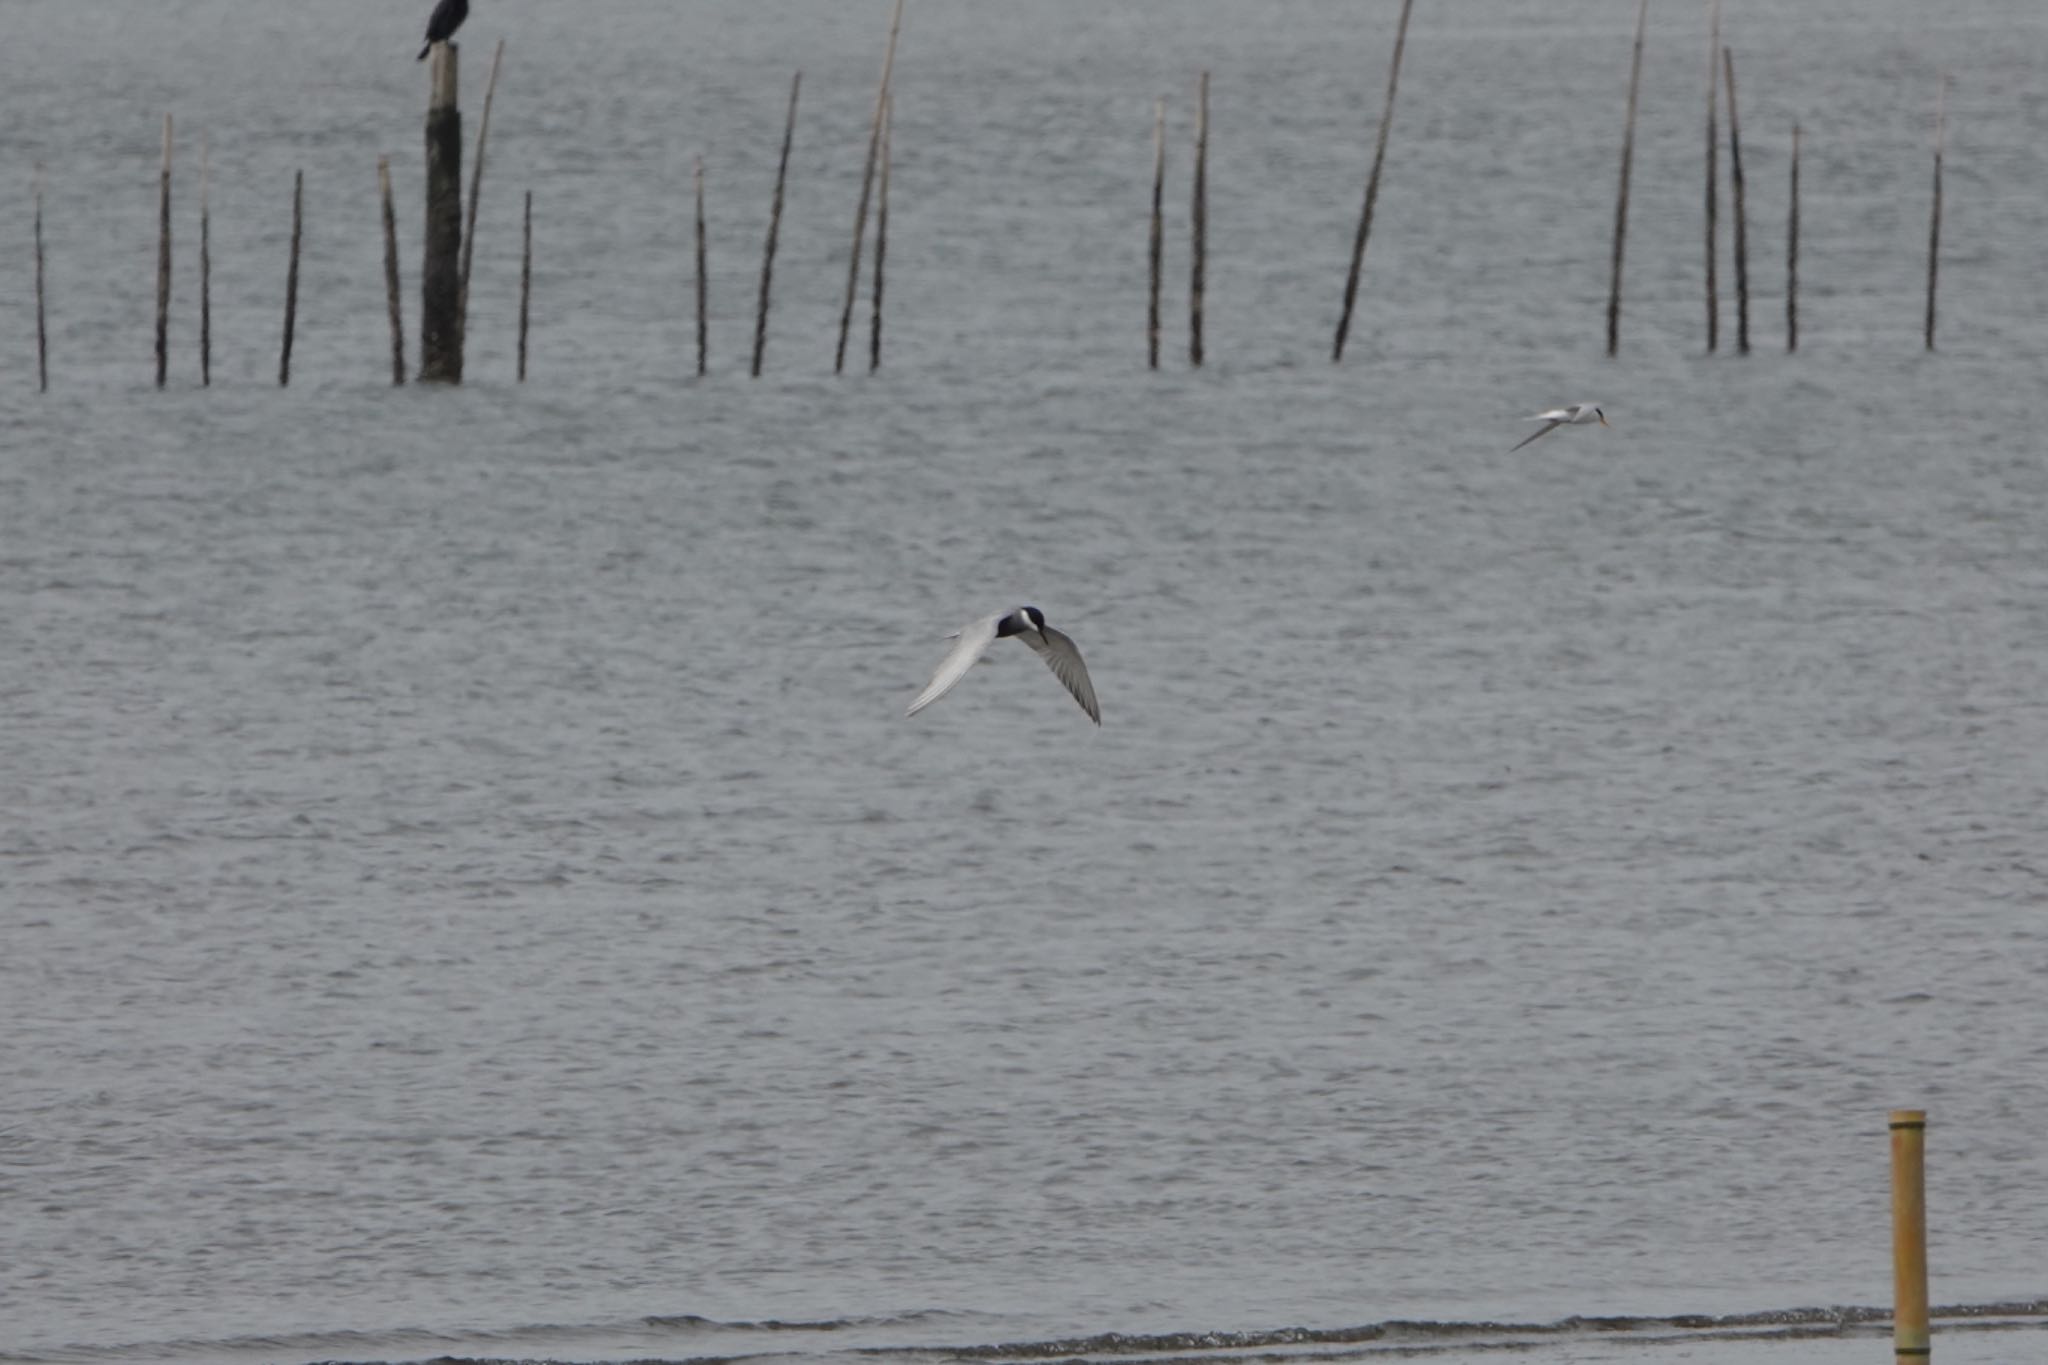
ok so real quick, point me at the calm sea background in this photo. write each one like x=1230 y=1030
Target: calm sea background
x=466 y=883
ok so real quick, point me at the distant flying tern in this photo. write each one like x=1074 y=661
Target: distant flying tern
x=1570 y=415
x=1026 y=624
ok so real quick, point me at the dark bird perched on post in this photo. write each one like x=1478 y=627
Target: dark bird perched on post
x=447 y=17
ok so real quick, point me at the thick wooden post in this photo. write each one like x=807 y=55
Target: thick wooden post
x=1372 y=187
x=1934 y=224
x=291 y=281
x=1713 y=179
x=1628 y=155
x=774 y=227
x=1909 y=1236
x=1156 y=246
x=163 y=262
x=1741 y=210
x=1198 y=271
x=391 y=294
x=867 y=184
x=42 y=331
x=1792 y=252
x=205 y=273
x=441 y=259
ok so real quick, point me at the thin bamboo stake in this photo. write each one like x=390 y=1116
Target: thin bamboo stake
x=391 y=297
x=1157 y=244
x=1628 y=153
x=1198 y=278
x=703 y=326
x=42 y=330
x=1372 y=186
x=867 y=182
x=476 y=184
x=291 y=281
x=163 y=263
x=1934 y=223
x=205 y=272
x=1741 y=212
x=881 y=237
x=774 y=226
x=1792 y=253
x=1909 y=1236
x=525 y=281
x=1713 y=178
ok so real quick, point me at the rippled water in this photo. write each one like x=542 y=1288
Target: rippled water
x=469 y=886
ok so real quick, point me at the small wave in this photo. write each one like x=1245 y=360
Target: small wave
x=288 y=1345
x=1415 y=1335
x=651 y=1334
x=652 y=1337
x=694 y=1322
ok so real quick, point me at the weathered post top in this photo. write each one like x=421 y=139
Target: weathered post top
x=441 y=70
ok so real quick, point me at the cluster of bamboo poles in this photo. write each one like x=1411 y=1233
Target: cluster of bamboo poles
x=1720 y=77
x=1199 y=215
x=874 y=191
x=451 y=238
x=452 y=234
x=296 y=250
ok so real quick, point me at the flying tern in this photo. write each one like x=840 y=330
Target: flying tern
x=1023 y=623
x=1570 y=415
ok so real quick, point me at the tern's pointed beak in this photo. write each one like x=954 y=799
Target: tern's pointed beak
x=1603 y=419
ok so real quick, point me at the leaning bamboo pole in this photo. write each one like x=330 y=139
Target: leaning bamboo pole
x=163 y=263
x=1628 y=152
x=42 y=329
x=525 y=280
x=1741 y=210
x=1934 y=223
x=1372 y=186
x=476 y=185
x=1792 y=252
x=1198 y=270
x=1713 y=178
x=205 y=272
x=867 y=184
x=881 y=238
x=703 y=287
x=774 y=227
x=1156 y=246
x=392 y=303
x=291 y=281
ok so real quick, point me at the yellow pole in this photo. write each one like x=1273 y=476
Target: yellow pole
x=1909 y=1237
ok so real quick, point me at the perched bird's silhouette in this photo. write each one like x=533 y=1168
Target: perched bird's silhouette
x=447 y=17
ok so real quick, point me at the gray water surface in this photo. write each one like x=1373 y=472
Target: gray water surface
x=469 y=887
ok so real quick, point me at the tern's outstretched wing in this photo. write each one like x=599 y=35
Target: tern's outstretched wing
x=1550 y=424
x=1064 y=660
x=973 y=643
